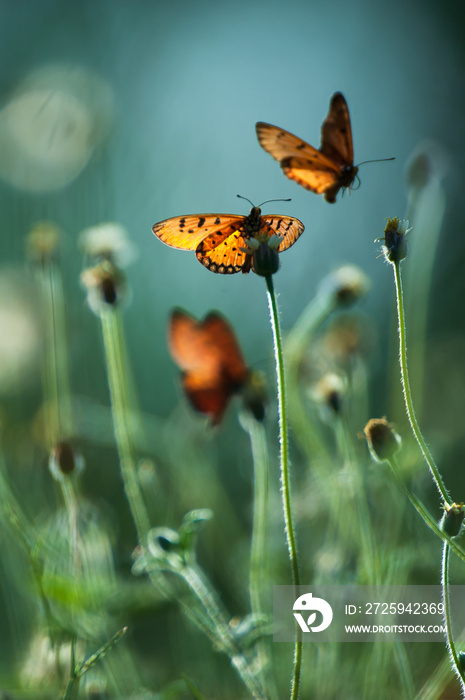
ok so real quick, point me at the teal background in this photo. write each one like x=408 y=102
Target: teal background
x=190 y=79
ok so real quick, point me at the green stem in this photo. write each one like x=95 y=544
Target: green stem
x=445 y=583
x=57 y=391
x=430 y=521
x=259 y=546
x=311 y=318
x=202 y=589
x=258 y=554
x=122 y=417
x=296 y=341
x=406 y=388
x=285 y=475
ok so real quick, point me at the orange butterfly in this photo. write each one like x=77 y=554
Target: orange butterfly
x=209 y=355
x=227 y=243
x=326 y=170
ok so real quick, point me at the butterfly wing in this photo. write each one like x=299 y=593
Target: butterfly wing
x=222 y=337
x=287 y=228
x=224 y=252
x=214 y=368
x=187 y=232
x=216 y=239
x=300 y=162
x=283 y=145
x=336 y=133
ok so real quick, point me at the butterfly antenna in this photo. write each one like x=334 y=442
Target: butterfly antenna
x=246 y=199
x=378 y=160
x=274 y=200
x=267 y=201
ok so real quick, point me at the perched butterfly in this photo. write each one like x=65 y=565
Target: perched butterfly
x=213 y=366
x=326 y=170
x=227 y=243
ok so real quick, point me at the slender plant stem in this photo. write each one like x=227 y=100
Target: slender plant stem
x=55 y=371
x=285 y=475
x=445 y=583
x=406 y=388
x=422 y=511
x=404 y=669
x=258 y=553
x=200 y=586
x=259 y=546
x=122 y=418
x=296 y=341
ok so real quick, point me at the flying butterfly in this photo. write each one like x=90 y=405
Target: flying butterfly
x=325 y=170
x=213 y=366
x=228 y=243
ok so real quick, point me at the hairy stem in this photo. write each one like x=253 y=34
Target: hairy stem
x=285 y=472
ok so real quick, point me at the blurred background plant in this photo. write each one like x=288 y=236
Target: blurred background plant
x=114 y=116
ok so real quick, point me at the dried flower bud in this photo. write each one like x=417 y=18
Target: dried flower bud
x=106 y=286
x=345 y=285
x=383 y=441
x=64 y=461
x=329 y=392
x=42 y=242
x=395 y=246
x=451 y=521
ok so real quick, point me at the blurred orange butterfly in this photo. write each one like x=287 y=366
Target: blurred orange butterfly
x=226 y=243
x=326 y=170
x=212 y=362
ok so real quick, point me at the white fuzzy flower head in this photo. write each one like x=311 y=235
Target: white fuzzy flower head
x=108 y=241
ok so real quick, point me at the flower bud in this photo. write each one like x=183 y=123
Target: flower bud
x=428 y=161
x=64 y=461
x=265 y=259
x=451 y=521
x=106 y=286
x=42 y=242
x=383 y=441
x=329 y=393
x=345 y=285
x=395 y=246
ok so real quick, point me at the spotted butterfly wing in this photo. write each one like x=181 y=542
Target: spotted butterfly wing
x=209 y=355
x=325 y=170
x=220 y=241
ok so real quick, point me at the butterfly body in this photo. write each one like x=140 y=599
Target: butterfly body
x=325 y=170
x=225 y=243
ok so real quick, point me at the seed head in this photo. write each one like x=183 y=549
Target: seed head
x=106 y=286
x=395 y=246
x=383 y=441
